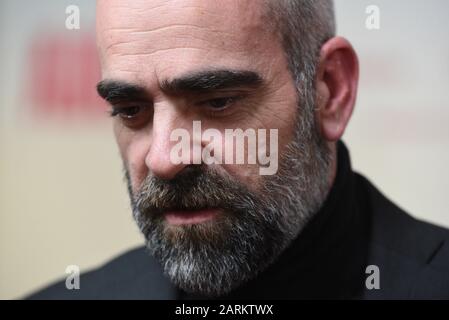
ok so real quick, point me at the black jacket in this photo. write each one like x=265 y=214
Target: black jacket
x=355 y=228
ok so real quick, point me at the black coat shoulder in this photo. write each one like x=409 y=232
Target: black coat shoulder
x=132 y=275
x=412 y=255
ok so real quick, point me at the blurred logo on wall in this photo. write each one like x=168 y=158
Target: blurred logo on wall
x=63 y=70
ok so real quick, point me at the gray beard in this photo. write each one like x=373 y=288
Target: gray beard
x=217 y=256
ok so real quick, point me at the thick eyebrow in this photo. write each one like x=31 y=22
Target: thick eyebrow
x=205 y=81
x=116 y=90
x=197 y=82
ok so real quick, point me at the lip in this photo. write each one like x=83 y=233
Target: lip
x=183 y=217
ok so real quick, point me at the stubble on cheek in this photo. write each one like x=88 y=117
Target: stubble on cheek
x=132 y=155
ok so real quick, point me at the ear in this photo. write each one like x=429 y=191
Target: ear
x=336 y=87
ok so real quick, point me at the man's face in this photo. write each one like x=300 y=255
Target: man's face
x=166 y=64
x=149 y=42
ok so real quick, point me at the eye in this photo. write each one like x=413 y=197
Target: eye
x=220 y=103
x=133 y=116
x=126 y=112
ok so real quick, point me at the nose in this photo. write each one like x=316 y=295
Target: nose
x=159 y=158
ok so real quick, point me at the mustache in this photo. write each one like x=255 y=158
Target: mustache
x=195 y=188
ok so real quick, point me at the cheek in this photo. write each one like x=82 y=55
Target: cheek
x=133 y=150
x=283 y=116
x=247 y=175
x=278 y=114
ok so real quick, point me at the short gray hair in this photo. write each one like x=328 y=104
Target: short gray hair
x=303 y=26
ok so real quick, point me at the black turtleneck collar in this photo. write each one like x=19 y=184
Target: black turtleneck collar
x=328 y=258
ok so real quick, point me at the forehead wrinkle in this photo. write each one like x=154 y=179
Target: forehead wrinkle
x=193 y=17
x=245 y=10
x=138 y=38
x=138 y=44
